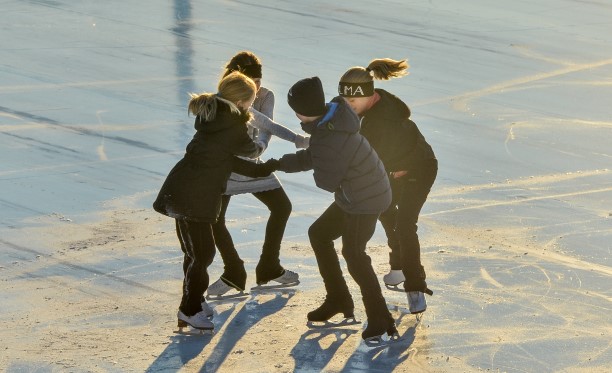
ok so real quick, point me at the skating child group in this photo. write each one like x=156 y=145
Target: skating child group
x=362 y=146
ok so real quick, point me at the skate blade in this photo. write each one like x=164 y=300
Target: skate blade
x=395 y=287
x=265 y=287
x=378 y=341
x=240 y=294
x=185 y=330
x=419 y=316
x=405 y=310
x=329 y=324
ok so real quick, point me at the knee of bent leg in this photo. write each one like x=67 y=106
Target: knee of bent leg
x=355 y=257
x=348 y=254
x=314 y=234
x=282 y=209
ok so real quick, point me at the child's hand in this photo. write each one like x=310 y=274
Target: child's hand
x=268 y=167
x=301 y=141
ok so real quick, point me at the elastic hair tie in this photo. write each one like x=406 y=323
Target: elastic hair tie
x=218 y=94
x=368 y=69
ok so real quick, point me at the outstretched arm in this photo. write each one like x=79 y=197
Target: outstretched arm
x=265 y=124
x=252 y=169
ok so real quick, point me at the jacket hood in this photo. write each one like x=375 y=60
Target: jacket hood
x=224 y=119
x=389 y=105
x=338 y=117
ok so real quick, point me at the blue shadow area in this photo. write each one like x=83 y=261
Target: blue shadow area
x=308 y=354
x=184 y=348
x=384 y=358
x=255 y=310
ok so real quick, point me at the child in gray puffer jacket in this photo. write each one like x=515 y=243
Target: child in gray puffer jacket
x=345 y=164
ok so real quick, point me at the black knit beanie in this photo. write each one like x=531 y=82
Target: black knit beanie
x=306 y=97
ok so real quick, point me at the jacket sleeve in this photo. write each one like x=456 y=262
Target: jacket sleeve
x=264 y=123
x=297 y=162
x=410 y=139
x=263 y=139
x=246 y=168
x=398 y=144
x=330 y=167
x=245 y=146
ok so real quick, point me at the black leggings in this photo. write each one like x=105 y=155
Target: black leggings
x=355 y=230
x=269 y=267
x=400 y=223
x=198 y=246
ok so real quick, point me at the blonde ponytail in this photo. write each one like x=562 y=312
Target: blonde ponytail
x=386 y=68
x=380 y=69
x=203 y=105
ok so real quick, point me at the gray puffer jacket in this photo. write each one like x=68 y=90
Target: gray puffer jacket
x=343 y=161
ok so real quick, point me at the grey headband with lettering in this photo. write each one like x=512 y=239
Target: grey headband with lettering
x=356 y=89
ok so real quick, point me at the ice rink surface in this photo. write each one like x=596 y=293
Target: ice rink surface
x=514 y=96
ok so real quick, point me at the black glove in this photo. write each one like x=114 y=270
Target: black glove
x=251 y=169
x=269 y=166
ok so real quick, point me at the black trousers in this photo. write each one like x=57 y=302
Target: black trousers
x=400 y=223
x=269 y=267
x=355 y=230
x=198 y=246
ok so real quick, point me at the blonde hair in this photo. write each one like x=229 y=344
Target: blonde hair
x=232 y=89
x=380 y=69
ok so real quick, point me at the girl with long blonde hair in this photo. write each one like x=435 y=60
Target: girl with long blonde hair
x=191 y=194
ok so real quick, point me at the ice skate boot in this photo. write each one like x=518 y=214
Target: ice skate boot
x=285 y=280
x=208 y=311
x=319 y=318
x=393 y=279
x=218 y=290
x=199 y=322
x=376 y=329
x=416 y=302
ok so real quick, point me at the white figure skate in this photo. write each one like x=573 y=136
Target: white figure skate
x=218 y=290
x=208 y=311
x=393 y=279
x=199 y=322
x=416 y=302
x=287 y=279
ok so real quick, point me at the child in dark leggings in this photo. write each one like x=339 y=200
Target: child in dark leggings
x=409 y=161
x=267 y=189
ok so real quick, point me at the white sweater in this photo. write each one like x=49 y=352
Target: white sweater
x=261 y=129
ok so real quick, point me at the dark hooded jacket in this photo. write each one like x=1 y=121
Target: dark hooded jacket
x=343 y=161
x=397 y=140
x=193 y=188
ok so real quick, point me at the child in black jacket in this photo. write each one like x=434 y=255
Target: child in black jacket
x=191 y=194
x=410 y=163
x=345 y=164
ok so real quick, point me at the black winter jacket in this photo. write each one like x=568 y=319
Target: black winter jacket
x=343 y=161
x=193 y=188
x=397 y=140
